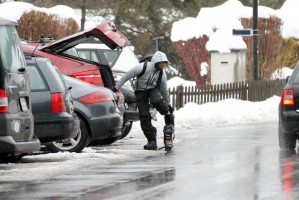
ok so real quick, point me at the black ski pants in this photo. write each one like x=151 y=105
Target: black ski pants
x=143 y=103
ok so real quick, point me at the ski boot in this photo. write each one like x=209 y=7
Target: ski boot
x=151 y=145
x=168 y=131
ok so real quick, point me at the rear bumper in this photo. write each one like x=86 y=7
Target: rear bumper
x=106 y=126
x=9 y=145
x=49 y=131
x=289 y=120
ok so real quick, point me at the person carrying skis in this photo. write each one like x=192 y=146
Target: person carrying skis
x=151 y=88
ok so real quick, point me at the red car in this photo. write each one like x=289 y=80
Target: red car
x=64 y=56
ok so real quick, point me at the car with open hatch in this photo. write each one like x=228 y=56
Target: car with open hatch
x=288 y=112
x=101 y=120
x=16 y=120
x=55 y=123
x=60 y=52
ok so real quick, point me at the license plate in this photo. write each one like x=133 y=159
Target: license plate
x=24 y=104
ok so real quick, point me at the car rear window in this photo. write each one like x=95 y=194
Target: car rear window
x=58 y=76
x=11 y=54
x=36 y=81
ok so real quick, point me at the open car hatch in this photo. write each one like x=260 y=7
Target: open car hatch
x=106 y=32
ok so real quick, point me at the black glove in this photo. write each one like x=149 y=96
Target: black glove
x=170 y=109
x=114 y=89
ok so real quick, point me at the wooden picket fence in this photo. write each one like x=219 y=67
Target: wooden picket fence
x=246 y=90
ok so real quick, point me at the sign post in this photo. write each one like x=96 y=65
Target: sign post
x=254 y=33
x=157 y=41
x=255 y=41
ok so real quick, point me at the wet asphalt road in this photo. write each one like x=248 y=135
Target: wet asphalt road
x=224 y=163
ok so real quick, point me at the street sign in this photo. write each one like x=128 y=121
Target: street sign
x=242 y=32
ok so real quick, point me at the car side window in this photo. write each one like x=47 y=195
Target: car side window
x=71 y=51
x=11 y=54
x=59 y=78
x=88 y=55
x=93 y=56
x=36 y=81
x=111 y=57
x=296 y=79
x=84 y=54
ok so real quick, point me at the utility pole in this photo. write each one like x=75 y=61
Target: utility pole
x=255 y=41
x=157 y=41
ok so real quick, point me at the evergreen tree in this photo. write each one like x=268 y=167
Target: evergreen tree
x=143 y=22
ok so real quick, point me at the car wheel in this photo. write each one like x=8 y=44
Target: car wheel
x=75 y=144
x=287 y=140
x=126 y=128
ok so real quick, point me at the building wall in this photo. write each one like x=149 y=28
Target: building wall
x=228 y=67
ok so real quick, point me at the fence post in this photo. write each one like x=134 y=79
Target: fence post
x=180 y=97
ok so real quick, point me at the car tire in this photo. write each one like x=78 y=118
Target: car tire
x=125 y=130
x=287 y=140
x=75 y=144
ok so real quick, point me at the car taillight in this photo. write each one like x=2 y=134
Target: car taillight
x=92 y=77
x=96 y=97
x=120 y=99
x=58 y=104
x=287 y=97
x=3 y=101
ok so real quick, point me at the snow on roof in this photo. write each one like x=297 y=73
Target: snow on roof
x=223 y=40
x=191 y=29
x=232 y=9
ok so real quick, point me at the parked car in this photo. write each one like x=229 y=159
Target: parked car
x=61 y=53
x=288 y=125
x=16 y=119
x=101 y=120
x=55 y=123
x=120 y=61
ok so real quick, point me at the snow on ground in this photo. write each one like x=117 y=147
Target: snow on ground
x=282 y=73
